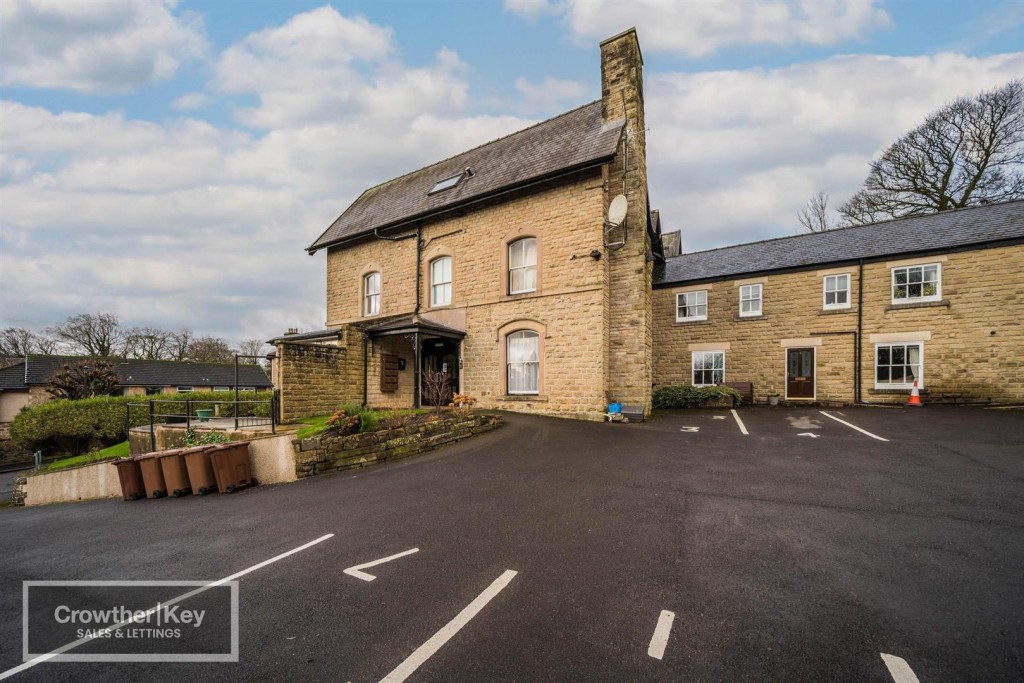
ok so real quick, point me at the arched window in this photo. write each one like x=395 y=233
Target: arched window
x=441 y=281
x=522 y=354
x=371 y=294
x=522 y=266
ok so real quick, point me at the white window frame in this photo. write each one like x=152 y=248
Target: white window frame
x=509 y=363
x=525 y=266
x=915 y=299
x=444 y=287
x=759 y=299
x=696 y=304
x=920 y=366
x=825 y=291
x=184 y=389
x=222 y=388
x=694 y=370
x=371 y=300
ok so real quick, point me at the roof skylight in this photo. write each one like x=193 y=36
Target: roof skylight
x=448 y=183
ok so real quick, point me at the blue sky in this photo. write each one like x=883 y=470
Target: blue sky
x=169 y=161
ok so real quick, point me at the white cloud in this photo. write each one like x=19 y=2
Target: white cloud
x=186 y=223
x=697 y=29
x=551 y=94
x=191 y=101
x=95 y=45
x=528 y=8
x=733 y=154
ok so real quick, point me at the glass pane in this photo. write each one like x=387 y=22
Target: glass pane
x=914 y=355
x=900 y=292
x=931 y=273
x=701 y=311
x=883 y=355
x=841 y=297
x=529 y=252
x=899 y=355
x=913 y=291
x=719 y=377
x=896 y=375
x=901 y=276
x=793 y=365
x=883 y=374
x=807 y=362
x=915 y=274
x=718 y=360
x=929 y=289
x=843 y=282
x=830 y=298
x=515 y=255
x=530 y=277
x=745 y=306
x=700 y=298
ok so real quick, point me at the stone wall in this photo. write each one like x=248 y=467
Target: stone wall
x=973 y=338
x=629 y=314
x=317 y=379
x=322 y=454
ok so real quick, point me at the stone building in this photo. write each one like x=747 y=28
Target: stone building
x=532 y=272
x=499 y=267
x=855 y=314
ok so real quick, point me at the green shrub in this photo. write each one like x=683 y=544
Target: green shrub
x=64 y=426
x=687 y=396
x=193 y=438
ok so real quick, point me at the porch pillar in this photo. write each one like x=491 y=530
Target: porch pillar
x=416 y=368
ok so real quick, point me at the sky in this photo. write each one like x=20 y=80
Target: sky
x=169 y=161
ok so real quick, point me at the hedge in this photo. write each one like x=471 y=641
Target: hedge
x=687 y=396
x=64 y=426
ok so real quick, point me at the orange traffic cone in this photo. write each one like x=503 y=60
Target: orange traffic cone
x=915 y=396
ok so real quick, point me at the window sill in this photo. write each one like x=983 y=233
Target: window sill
x=834 y=311
x=524 y=398
x=520 y=295
x=743 y=318
x=891 y=392
x=918 y=304
x=691 y=321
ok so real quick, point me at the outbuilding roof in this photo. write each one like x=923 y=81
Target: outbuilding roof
x=573 y=140
x=163 y=373
x=943 y=231
x=12 y=376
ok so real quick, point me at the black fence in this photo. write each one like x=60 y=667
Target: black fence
x=253 y=411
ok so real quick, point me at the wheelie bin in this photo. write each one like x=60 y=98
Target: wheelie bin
x=152 y=475
x=231 y=466
x=130 y=474
x=175 y=472
x=200 y=469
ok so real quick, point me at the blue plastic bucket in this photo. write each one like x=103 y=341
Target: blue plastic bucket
x=614 y=408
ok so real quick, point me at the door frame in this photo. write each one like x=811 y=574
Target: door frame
x=785 y=373
x=457 y=343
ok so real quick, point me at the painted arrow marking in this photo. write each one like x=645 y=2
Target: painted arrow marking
x=689 y=429
x=810 y=434
x=354 y=571
x=899 y=669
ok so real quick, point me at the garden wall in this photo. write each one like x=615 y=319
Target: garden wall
x=325 y=453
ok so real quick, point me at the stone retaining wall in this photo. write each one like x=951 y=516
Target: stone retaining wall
x=322 y=454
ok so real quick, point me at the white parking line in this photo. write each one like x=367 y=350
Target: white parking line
x=739 y=421
x=852 y=426
x=354 y=571
x=427 y=649
x=660 y=638
x=899 y=669
x=72 y=645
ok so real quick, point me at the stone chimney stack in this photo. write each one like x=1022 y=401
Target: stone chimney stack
x=630 y=329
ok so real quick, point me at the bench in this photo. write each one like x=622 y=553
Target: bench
x=745 y=389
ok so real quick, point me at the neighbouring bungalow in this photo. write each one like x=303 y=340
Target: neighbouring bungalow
x=24 y=381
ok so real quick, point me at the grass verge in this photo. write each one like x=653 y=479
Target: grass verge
x=116 y=451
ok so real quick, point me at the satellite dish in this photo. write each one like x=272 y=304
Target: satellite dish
x=617 y=210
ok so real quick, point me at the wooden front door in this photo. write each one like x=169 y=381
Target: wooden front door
x=799 y=373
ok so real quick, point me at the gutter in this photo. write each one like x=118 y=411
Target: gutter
x=427 y=215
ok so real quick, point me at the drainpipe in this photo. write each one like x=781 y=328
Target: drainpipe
x=366 y=362
x=419 y=255
x=858 y=346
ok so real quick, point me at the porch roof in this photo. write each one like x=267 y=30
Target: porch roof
x=409 y=324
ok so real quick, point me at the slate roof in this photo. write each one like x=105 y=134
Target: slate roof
x=410 y=323
x=920 y=234
x=330 y=332
x=575 y=139
x=155 y=373
x=13 y=377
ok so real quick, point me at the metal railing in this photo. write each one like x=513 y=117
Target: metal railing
x=188 y=412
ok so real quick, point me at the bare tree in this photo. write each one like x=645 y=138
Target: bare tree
x=968 y=153
x=251 y=347
x=815 y=214
x=19 y=342
x=89 y=334
x=436 y=388
x=179 y=343
x=210 y=349
x=147 y=343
